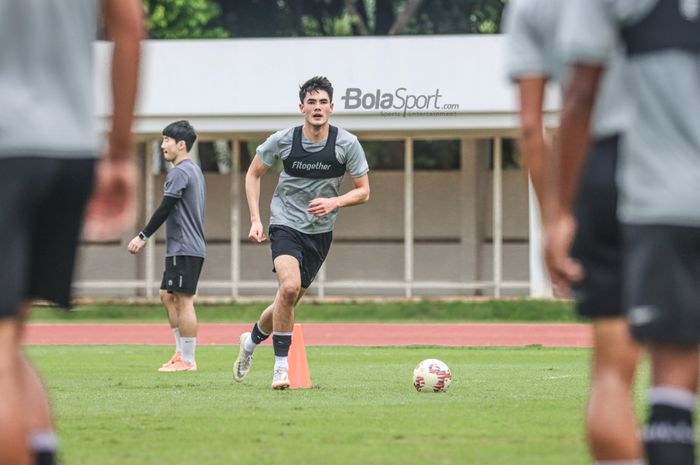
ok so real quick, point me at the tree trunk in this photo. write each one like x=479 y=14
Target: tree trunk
x=360 y=20
x=384 y=10
x=405 y=17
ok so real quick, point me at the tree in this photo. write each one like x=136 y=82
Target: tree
x=290 y=18
x=179 y=19
x=458 y=17
x=284 y=18
x=260 y=18
x=387 y=16
x=183 y=19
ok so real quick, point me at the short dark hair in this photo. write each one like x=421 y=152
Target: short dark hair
x=315 y=84
x=181 y=130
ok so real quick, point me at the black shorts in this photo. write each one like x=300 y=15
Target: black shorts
x=598 y=242
x=662 y=283
x=181 y=274
x=41 y=213
x=310 y=249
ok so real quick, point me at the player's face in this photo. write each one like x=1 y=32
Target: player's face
x=169 y=148
x=316 y=108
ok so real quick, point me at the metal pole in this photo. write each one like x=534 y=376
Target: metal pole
x=497 y=216
x=148 y=203
x=539 y=280
x=235 y=203
x=470 y=249
x=408 y=216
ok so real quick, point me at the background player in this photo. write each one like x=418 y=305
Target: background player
x=49 y=147
x=533 y=60
x=304 y=206
x=183 y=207
x=659 y=205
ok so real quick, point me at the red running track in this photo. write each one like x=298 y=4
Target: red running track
x=457 y=334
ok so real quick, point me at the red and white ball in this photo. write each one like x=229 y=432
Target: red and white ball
x=432 y=375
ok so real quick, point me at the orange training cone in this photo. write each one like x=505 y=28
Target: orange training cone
x=298 y=366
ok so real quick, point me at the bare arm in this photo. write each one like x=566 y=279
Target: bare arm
x=113 y=206
x=537 y=154
x=321 y=206
x=574 y=130
x=579 y=99
x=252 y=192
x=124 y=25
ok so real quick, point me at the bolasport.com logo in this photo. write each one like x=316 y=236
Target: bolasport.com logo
x=400 y=102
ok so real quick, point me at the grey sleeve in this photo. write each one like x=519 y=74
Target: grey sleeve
x=355 y=160
x=271 y=149
x=525 y=48
x=588 y=33
x=175 y=183
x=629 y=11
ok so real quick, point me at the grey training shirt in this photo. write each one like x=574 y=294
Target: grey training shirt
x=531 y=27
x=46 y=78
x=185 y=224
x=536 y=29
x=659 y=171
x=290 y=201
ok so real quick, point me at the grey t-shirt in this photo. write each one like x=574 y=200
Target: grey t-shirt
x=46 y=78
x=290 y=201
x=185 y=224
x=536 y=28
x=531 y=27
x=659 y=171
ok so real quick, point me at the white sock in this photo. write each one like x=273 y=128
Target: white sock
x=248 y=345
x=43 y=441
x=281 y=362
x=619 y=462
x=672 y=396
x=178 y=343
x=189 y=344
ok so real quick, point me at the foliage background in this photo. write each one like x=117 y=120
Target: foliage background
x=194 y=19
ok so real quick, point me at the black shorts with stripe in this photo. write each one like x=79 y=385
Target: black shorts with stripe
x=181 y=274
x=661 y=276
x=598 y=243
x=310 y=249
x=41 y=214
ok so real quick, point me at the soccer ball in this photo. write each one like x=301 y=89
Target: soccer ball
x=431 y=375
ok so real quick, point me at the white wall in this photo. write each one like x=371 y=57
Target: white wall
x=248 y=85
x=248 y=88
x=452 y=230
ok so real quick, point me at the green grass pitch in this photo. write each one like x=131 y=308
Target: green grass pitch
x=516 y=310
x=516 y=406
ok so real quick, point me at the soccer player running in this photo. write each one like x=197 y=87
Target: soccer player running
x=304 y=207
x=49 y=151
x=534 y=59
x=183 y=205
x=659 y=204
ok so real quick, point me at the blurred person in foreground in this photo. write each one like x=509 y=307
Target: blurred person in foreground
x=304 y=207
x=49 y=167
x=183 y=206
x=534 y=59
x=659 y=205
